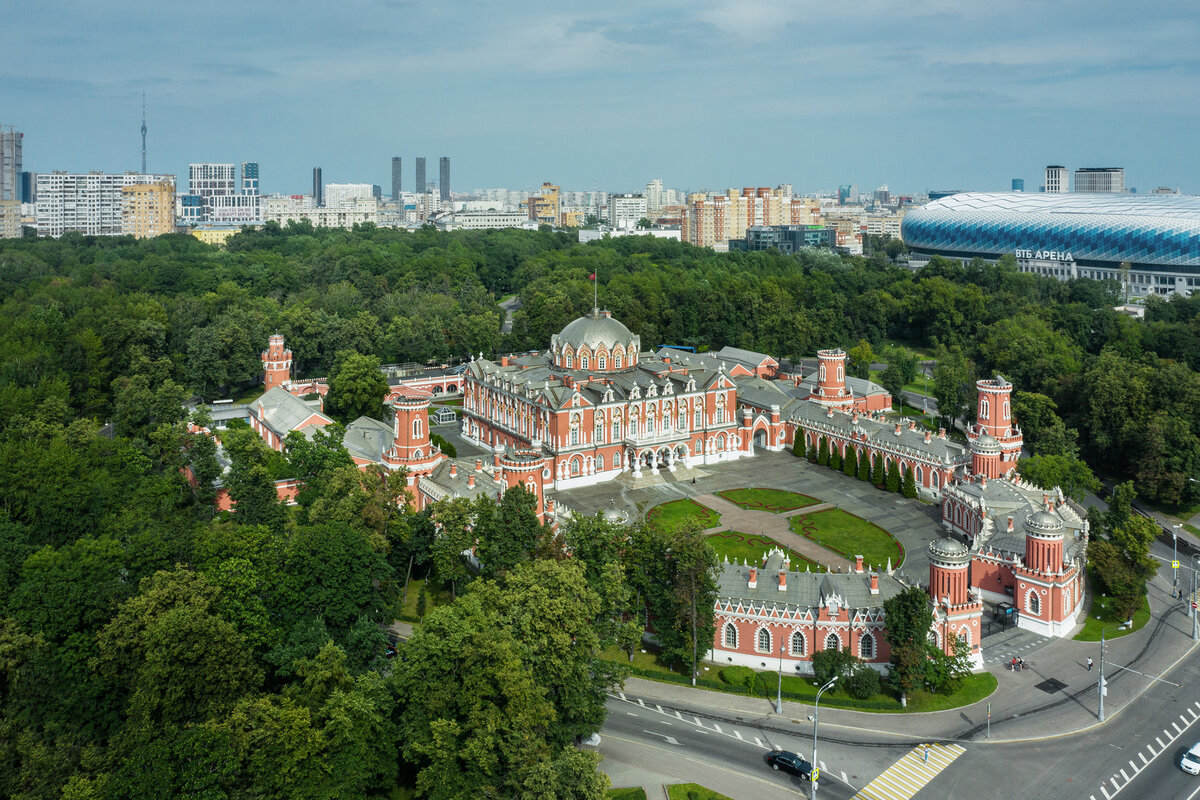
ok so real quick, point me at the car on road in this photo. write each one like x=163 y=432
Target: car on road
x=789 y=762
x=1190 y=762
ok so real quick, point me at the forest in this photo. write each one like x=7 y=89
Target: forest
x=151 y=648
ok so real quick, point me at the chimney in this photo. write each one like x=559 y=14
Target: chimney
x=927 y=437
x=874 y=583
x=470 y=481
x=783 y=580
x=854 y=418
x=453 y=470
x=666 y=359
x=983 y=481
x=764 y=559
x=897 y=428
x=912 y=424
x=1010 y=524
x=479 y=465
x=753 y=577
x=496 y=460
x=858 y=563
x=941 y=433
x=829 y=413
x=504 y=361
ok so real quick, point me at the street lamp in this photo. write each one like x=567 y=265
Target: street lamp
x=1126 y=625
x=816 y=714
x=1175 y=559
x=1192 y=600
x=779 y=691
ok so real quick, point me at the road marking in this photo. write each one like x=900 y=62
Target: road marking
x=1118 y=786
x=663 y=722
x=622 y=696
x=1142 y=756
x=738 y=734
x=1105 y=793
x=656 y=705
x=698 y=722
x=670 y=739
x=758 y=742
x=911 y=773
x=1176 y=727
x=716 y=727
x=641 y=702
x=1160 y=743
x=678 y=716
x=1126 y=777
x=630 y=713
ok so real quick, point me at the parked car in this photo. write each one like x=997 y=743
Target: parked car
x=789 y=762
x=1190 y=762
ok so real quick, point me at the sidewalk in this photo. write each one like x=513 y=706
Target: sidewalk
x=1057 y=695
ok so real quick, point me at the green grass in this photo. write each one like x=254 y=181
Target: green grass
x=1178 y=513
x=744 y=546
x=920 y=416
x=776 y=501
x=1192 y=528
x=679 y=791
x=453 y=401
x=974 y=688
x=678 y=511
x=917 y=386
x=848 y=535
x=635 y=793
x=437 y=596
x=1101 y=615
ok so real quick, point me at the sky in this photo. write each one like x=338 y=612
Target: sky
x=704 y=94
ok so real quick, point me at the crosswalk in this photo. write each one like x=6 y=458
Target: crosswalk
x=911 y=773
x=1111 y=787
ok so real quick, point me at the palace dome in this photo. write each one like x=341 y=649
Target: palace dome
x=1043 y=523
x=595 y=336
x=986 y=444
x=950 y=550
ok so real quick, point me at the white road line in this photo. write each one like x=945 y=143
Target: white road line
x=678 y=715
x=844 y=778
x=1193 y=713
x=641 y=702
x=1136 y=769
x=630 y=713
x=1183 y=719
x=1142 y=756
x=1105 y=793
x=656 y=705
x=758 y=742
x=716 y=727
x=738 y=734
x=622 y=696
x=663 y=722
x=1123 y=775
x=1160 y=741
x=698 y=722
x=670 y=739
x=822 y=763
x=1178 y=730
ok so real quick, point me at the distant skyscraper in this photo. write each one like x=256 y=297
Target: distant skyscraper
x=91 y=203
x=1018 y=184
x=1109 y=180
x=143 y=133
x=250 y=177
x=10 y=164
x=318 y=188
x=444 y=179
x=28 y=187
x=843 y=194
x=397 y=186
x=420 y=185
x=1056 y=179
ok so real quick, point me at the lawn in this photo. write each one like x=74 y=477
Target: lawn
x=974 y=688
x=635 y=793
x=920 y=416
x=1100 y=616
x=436 y=596
x=749 y=547
x=678 y=511
x=918 y=386
x=776 y=501
x=1191 y=528
x=848 y=535
x=687 y=791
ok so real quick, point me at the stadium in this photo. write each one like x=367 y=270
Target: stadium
x=1068 y=236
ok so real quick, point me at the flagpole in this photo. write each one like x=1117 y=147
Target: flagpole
x=596 y=290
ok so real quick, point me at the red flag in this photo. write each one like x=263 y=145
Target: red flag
x=592 y=277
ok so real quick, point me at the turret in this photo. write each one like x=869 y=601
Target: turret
x=831 y=378
x=948 y=563
x=277 y=363
x=1044 y=543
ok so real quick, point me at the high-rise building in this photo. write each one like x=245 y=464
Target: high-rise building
x=625 y=210
x=10 y=219
x=543 y=207
x=207 y=180
x=1056 y=179
x=337 y=195
x=215 y=196
x=318 y=192
x=1018 y=184
x=397 y=186
x=843 y=194
x=10 y=164
x=89 y=203
x=148 y=209
x=654 y=196
x=1107 y=180
x=28 y=187
x=444 y=179
x=419 y=186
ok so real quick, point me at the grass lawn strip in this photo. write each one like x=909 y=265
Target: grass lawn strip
x=776 y=501
x=848 y=535
x=1101 y=616
x=750 y=547
x=681 y=791
x=678 y=511
x=635 y=793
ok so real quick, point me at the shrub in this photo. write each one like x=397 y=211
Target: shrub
x=850 y=465
x=908 y=487
x=893 y=477
x=864 y=466
x=798 y=445
x=863 y=682
x=877 y=476
x=736 y=676
x=441 y=444
x=828 y=663
x=823 y=452
x=812 y=454
x=835 y=457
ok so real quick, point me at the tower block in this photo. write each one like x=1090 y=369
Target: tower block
x=277 y=363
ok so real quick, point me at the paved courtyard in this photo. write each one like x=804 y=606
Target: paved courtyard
x=914 y=523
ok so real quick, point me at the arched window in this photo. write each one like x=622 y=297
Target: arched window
x=617 y=361
x=821 y=373
x=603 y=362
x=575 y=465
x=799 y=645
x=763 y=645
x=570 y=362
x=599 y=432
x=920 y=474
x=417 y=428
x=730 y=635
x=1033 y=603
x=1006 y=410
x=600 y=463
x=983 y=408
x=832 y=642
x=699 y=418
x=841 y=373
x=866 y=647
x=616 y=430
x=574 y=430
x=583 y=362
x=720 y=409
x=933 y=479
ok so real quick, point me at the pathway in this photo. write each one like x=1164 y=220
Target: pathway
x=774 y=526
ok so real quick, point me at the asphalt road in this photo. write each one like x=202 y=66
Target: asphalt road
x=1135 y=755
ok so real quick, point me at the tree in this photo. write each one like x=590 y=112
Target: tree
x=453 y=518
x=893 y=477
x=1070 y=474
x=812 y=454
x=329 y=570
x=823 y=452
x=878 y=476
x=507 y=533
x=834 y=663
x=864 y=466
x=356 y=388
x=908 y=486
x=1044 y=431
x=909 y=619
x=850 y=463
x=798 y=449
x=953 y=384
x=835 y=456
x=860 y=358
x=691 y=568
x=892 y=380
x=201 y=459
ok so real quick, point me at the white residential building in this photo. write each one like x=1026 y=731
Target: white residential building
x=351 y=212
x=626 y=210
x=88 y=203
x=338 y=193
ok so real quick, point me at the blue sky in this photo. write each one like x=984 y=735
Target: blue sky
x=701 y=93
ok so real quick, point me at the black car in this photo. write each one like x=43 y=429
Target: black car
x=789 y=762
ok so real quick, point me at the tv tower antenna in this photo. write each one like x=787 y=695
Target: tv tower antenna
x=143 y=132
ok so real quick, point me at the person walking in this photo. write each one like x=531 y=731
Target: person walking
x=925 y=754
x=1089 y=663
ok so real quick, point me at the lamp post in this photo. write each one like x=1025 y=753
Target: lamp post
x=816 y=715
x=1192 y=600
x=1123 y=626
x=779 y=691
x=1175 y=557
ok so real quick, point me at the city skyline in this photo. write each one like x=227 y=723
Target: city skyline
x=924 y=97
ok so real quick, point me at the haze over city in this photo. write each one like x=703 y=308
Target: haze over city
x=703 y=95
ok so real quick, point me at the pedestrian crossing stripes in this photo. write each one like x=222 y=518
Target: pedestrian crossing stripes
x=911 y=773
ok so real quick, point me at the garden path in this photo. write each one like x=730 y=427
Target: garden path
x=774 y=526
